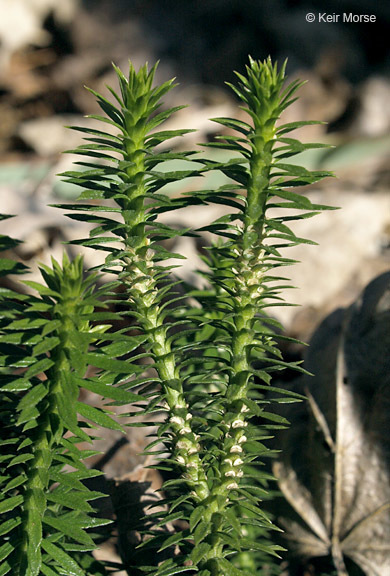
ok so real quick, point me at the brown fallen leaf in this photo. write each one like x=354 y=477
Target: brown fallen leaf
x=334 y=469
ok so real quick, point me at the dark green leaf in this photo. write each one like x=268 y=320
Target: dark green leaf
x=295 y=125
x=33 y=397
x=72 y=479
x=196 y=516
x=174 y=539
x=69 y=528
x=253 y=545
x=15 y=482
x=5 y=567
x=20 y=459
x=47 y=571
x=39 y=367
x=199 y=552
x=201 y=531
x=72 y=499
x=107 y=391
x=45 y=346
x=107 y=363
x=228 y=568
x=5 y=551
x=8 y=266
x=174 y=570
x=98 y=416
x=61 y=557
x=10 y=503
x=9 y=525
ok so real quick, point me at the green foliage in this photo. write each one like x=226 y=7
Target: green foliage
x=45 y=510
x=199 y=368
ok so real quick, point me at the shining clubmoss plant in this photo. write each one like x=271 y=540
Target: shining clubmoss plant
x=244 y=285
x=196 y=364
x=131 y=180
x=44 y=341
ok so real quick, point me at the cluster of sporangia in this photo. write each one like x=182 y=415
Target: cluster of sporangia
x=200 y=359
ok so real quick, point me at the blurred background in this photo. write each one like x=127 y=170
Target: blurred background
x=49 y=50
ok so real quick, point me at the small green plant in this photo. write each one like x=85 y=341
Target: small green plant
x=196 y=363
